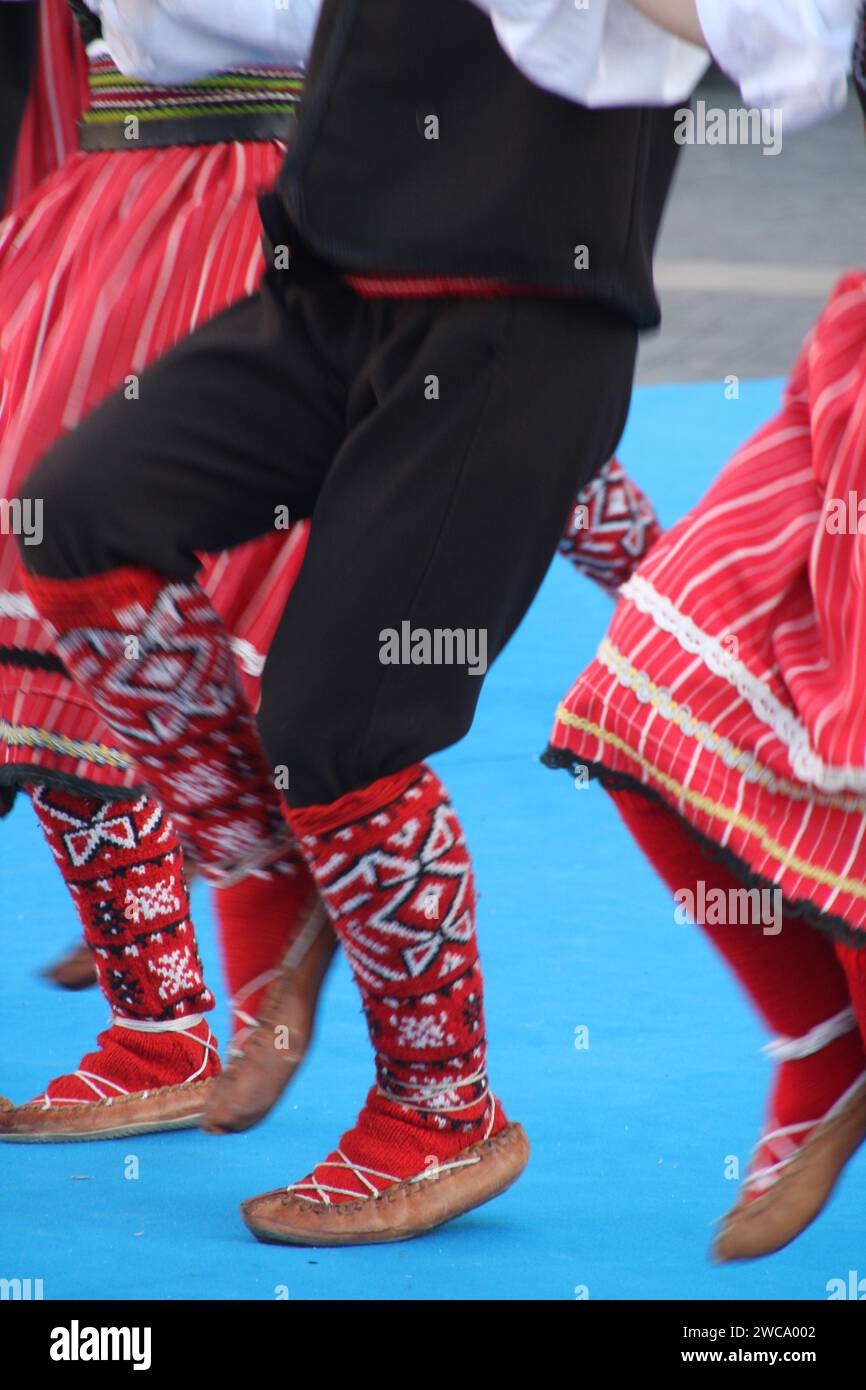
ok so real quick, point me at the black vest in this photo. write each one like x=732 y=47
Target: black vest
x=422 y=150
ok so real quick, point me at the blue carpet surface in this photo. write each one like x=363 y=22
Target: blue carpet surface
x=631 y=1135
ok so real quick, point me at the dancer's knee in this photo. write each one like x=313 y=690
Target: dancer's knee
x=99 y=507
x=317 y=758
x=59 y=516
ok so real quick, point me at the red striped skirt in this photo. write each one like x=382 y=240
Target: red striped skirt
x=110 y=262
x=731 y=681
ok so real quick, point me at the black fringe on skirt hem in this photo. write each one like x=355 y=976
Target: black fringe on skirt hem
x=16 y=777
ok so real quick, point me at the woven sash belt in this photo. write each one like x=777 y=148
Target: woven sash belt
x=250 y=103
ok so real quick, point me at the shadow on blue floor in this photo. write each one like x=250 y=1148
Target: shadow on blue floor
x=630 y=1136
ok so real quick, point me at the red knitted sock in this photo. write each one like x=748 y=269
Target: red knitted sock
x=259 y=918
x=612 y=526
x=129 y=1059
x=853 y=962
x=155 y=659
x=793 y=978
x=392 y=865
x=123 y=866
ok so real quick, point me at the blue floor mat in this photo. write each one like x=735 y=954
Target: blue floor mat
x=631 y=1135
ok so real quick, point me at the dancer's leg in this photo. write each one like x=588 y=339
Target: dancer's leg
x=611 y=527
x=424 y=566
x=123 y=866
x=793 y=978
x=338 y=723
x=170 y=634
x=277 y=944
x=393 y=867
x=800 y=991
x=853 y=962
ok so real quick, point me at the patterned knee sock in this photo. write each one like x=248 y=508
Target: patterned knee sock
x=793 y=978
x=611 y=528
x=259 y=918
x=155 y=659
x=123 y=866
x=392 y=865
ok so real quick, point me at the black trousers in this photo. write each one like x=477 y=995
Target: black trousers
x=437 y=446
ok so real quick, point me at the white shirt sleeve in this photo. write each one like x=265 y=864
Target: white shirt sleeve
x=178 y=40
x=606 y=54
x=788 y=55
